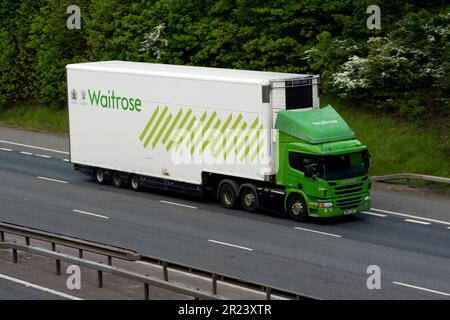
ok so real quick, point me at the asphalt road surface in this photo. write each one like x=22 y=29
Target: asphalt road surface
x=11 y=289
x=406 y=235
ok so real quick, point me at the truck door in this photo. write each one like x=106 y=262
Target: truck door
x=294 y=173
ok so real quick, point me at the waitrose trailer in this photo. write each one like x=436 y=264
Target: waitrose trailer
x=252 y=139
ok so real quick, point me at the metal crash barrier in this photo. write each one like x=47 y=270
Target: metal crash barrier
x=128 y=255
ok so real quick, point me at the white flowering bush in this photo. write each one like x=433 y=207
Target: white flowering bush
x=352 y=76
x=154 y=43
x=407 y=70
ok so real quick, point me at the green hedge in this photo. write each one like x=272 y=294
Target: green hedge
x=402 y=68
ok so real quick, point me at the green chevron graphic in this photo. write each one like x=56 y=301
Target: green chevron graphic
x=222 y=135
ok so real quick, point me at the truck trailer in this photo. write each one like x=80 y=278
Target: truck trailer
x=252 y=139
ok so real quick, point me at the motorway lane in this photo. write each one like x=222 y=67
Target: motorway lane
x=294 y=259
x=14 y=291
x=423 y=204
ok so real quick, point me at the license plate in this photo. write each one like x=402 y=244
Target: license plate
x=350 y=211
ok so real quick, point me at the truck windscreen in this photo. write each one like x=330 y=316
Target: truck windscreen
x=343 y=166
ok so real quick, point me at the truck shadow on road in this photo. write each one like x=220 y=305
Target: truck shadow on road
x=209 y=203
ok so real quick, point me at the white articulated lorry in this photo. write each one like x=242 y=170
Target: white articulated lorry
x=229 y=133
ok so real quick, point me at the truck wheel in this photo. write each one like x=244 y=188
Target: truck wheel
x=227 y=196
x=249 y=199
x=115 y=179
x=135 y=183
x=100 y=176
x=297 y=209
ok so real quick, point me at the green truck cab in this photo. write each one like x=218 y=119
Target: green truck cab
x=323 y=168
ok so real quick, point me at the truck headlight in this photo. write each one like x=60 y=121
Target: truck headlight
x=325 y=204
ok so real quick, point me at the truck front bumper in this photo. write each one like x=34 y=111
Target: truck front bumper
x=335 y=211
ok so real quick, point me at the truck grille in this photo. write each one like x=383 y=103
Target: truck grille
x=351 y=188
x=351 y=194
x=349 y=203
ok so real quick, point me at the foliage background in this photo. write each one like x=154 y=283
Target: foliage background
x=403 y=68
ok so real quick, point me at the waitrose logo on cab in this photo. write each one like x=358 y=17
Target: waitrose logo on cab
x=110 y=100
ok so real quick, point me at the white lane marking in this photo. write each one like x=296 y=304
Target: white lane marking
x=410 y=216
x=375 y=214
x=42 y=156
x=35 y=286
x=53 y=180
x=230 y=245
x=90 y=214
x=26 y=153
x=65 y=160
x=417 y=221
x=420 y=288
x=320 y=232
x=178 y=204
x=4 y=149
x=33 y=147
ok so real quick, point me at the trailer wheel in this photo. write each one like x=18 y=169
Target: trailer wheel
x=249 y=199
x=297 y=209
x=100 y=176
x=115 y=179
x=228 y=196
x=135 y=183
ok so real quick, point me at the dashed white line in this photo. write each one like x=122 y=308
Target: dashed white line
x=33 y=147
x=65 y=160
x=90 y=214
x=5 y=149
x=420 y=288
x=42 y=156
x=320 y=232
x=178 y=204
x=231 y=245
x=53 y=180
x=410 y=216
x=35 y=286
x=26 y=153
x=375 y=214
x=417 y=221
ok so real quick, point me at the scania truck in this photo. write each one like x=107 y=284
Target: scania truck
x=251 y=139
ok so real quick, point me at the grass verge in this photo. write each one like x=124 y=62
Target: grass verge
x=35 y=117
x=397 y=145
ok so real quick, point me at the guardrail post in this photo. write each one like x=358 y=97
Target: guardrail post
x=165 y=273
x=268 y=293
x=58 y=267
x=109 y=261
x=214 y=283
x=2 y=236
x=100 y=279
x=27 y=241
x=80 y=253
x=53 y=246
x=14 y=251
x=146 y=291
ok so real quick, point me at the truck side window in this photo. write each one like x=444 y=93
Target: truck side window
x=296 y=161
